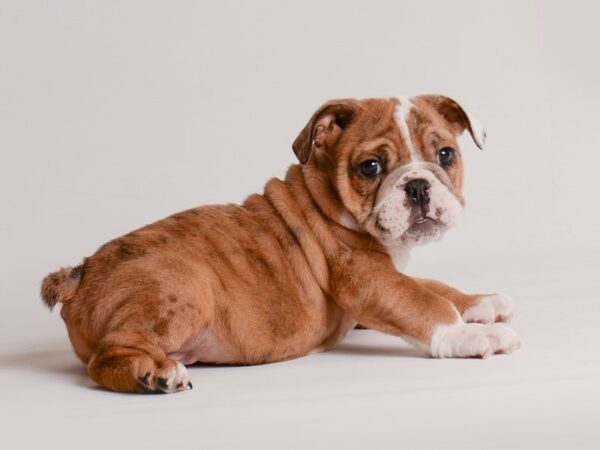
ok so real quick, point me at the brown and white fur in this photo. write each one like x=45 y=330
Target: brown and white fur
x=291 y=270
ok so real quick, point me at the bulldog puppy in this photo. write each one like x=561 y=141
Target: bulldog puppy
x=291 y=270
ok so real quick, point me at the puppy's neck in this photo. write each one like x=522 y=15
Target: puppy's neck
x=312 y=185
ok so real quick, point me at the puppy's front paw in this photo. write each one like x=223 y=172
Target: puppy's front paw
x=491 y=308
x=465 y=340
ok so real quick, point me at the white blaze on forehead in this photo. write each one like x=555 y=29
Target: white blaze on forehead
x=403 y=109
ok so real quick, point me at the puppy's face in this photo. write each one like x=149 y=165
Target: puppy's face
x=395 y=163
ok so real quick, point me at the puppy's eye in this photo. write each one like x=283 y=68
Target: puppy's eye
x=446 y=156
x=370 y=168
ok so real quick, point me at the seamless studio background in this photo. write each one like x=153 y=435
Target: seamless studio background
x=116 y=114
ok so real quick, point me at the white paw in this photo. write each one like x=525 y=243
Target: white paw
x=491 y=308
x=177 y=379
x=464 y=340
x=168 y=380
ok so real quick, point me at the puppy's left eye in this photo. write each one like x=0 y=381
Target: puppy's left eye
x=370 y=168
x=446 y=156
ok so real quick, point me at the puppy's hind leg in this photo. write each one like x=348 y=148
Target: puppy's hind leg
x=129 y=362
x=132 y=354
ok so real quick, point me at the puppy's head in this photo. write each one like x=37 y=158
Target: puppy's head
x=394 y=163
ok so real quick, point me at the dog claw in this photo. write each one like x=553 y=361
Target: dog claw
x=190 y=385
x=162 y=383
x=145 y=378
x=144 y=387
x=168 y=381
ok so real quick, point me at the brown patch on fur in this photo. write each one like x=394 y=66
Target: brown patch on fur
x=161 y=327
x=431 y=132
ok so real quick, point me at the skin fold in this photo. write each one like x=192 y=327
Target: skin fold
x=292 y=270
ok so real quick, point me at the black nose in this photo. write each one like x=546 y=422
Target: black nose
x=417 y=192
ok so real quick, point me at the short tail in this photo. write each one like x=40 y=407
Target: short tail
x=60 y=286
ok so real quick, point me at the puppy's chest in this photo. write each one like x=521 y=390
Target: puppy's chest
x=400 y=256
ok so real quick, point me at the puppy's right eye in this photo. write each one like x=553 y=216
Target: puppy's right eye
x=370 y=168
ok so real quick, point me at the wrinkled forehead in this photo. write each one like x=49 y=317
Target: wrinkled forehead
x=406 y=123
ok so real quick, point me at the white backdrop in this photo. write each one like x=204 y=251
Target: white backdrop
x=116 y=114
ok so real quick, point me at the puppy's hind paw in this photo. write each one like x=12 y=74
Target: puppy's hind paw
x=173 y=378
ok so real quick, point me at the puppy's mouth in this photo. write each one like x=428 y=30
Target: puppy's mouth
x=421 y=220
x=423 y=223
x=419 y=224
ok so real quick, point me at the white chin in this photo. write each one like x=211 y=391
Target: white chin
x=419 y=234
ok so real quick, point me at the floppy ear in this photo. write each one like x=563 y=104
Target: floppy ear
x=457 y=117
x=324 y=127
